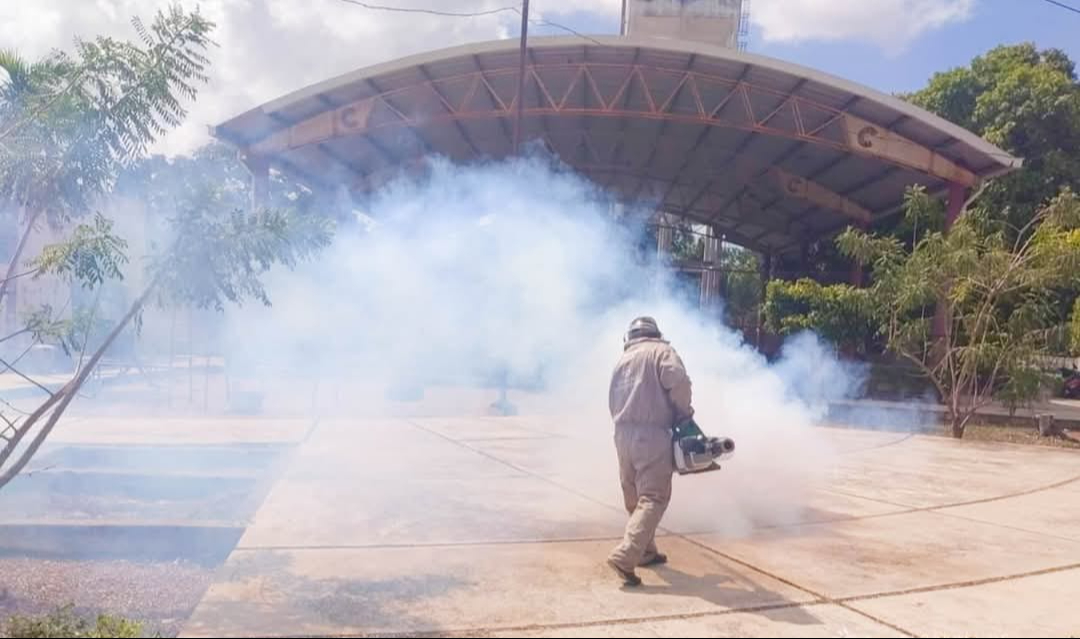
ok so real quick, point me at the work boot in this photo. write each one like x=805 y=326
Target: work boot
x=655 y=559
x=630 y=579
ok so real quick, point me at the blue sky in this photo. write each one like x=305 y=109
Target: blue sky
x=271 y=47
x=991 y=22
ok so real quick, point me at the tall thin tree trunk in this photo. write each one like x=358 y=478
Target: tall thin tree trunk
x=206 y=383
x=958 y=423
x=172 y=357
x=24 y=428
x=190 y=359
x=13 y=265
x=64 y=396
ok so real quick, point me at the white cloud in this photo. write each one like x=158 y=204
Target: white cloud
x=271 y=47
x=889 y=24
x=32 y=24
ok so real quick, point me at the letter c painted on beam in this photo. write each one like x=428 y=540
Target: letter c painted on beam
x=348 y=118
x=865 y=136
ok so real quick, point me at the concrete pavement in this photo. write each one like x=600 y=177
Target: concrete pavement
x=499 y=526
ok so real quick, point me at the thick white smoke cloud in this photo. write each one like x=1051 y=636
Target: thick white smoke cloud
x=524 y=267
x=465 y=272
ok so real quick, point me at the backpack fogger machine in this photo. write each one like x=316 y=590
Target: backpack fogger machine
x=695 y=452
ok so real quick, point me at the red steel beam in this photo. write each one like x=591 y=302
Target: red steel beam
x=849 y=133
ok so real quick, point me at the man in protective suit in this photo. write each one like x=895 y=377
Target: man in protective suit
x=650 y=392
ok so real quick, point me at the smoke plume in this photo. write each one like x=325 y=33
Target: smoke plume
x=524 y=273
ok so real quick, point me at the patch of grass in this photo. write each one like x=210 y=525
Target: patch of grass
x=1016 y=435
x=65 y=623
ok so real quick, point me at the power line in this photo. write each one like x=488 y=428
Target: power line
x=548 y=23
x=472 y=14
x=1063 y=5
x=434 y=12
x=521 y=75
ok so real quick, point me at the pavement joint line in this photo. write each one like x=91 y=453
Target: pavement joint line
x=130 y=472
x=572 y=540
x=811 y=592
x=970 y=502
x=500 y=421
x=477 y=543
x=819 y=598
x=995 y=524
x=482 y=453
x=818 y=595
x=959 y=585
x=830 y=520
x=864 y=449
x=705 y=547
x=598 y=623
x=267 y=444
x=118 y=523
x=939 y=510
x=529 y=438
x=315 y=421
x=907 y=509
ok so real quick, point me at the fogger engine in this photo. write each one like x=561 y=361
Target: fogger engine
x=697 y=453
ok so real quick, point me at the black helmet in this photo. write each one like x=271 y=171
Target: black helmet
x=643 y=327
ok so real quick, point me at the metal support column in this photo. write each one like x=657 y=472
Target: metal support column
x=721 y=274
x=665 y=236
x=857 y=267
x=518 y=117
x=957 y=198
x=710 y=276
x=954 y=208
x=766 y=275
x=259 y=169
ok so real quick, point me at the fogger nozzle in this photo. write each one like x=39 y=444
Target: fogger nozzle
x=695 y=452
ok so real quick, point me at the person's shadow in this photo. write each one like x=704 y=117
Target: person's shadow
x=733 y=592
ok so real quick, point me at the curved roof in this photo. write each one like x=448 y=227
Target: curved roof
x=771 y=153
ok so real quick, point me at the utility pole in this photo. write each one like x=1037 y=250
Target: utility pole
x=502 y=405
x=521 y=76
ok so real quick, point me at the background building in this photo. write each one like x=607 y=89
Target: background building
x=720 y=22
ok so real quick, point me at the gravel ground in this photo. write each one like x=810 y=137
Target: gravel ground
x=160 y=594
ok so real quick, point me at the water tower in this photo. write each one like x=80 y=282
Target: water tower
x=719 y=22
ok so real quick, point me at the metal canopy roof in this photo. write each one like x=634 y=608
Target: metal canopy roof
x=773 y=154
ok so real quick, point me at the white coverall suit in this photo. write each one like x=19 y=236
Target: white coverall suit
x=650 y=392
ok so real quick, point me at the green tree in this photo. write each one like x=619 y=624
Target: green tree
x=1001 y=314
x=70 y=122
x=157 y=183
x=215 y=258
x=69 y=126
x=841 y=314
x=687 y=244
x=1074 y=329
x=1027 y=101
x=741 y=286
